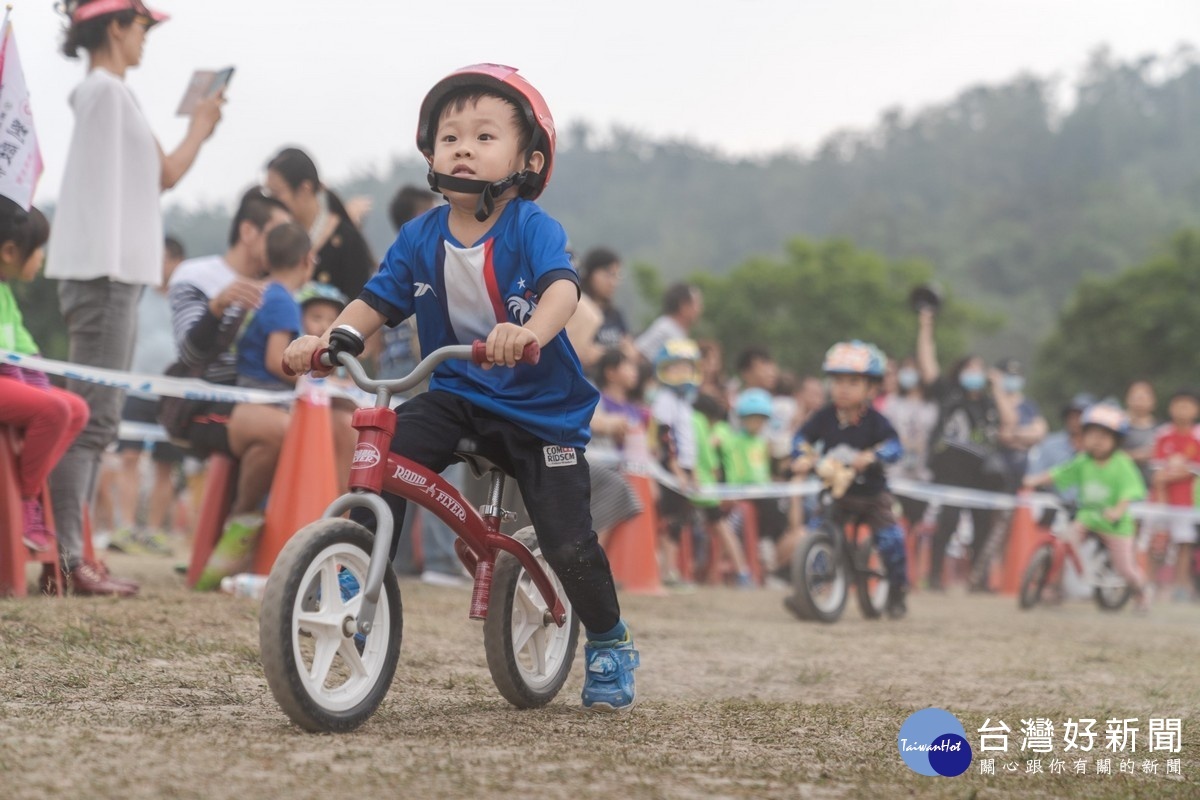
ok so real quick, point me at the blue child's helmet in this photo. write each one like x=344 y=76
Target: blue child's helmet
x=753 y=402
x=855 y=358
x=675 y=351
x=313 y=292
x=1107 y=416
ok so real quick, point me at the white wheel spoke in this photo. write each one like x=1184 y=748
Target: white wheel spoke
x=353 y=660
x=531 y=602
x=327 y=648
x=331 y=590
x=319 y=624
x=351 y=607
x=522 y=635
x=538 y=647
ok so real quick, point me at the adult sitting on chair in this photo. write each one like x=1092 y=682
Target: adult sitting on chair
x=209 y=298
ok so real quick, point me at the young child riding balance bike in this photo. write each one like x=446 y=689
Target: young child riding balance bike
x=492 y=265
x=1108 y=481
x=856 y=369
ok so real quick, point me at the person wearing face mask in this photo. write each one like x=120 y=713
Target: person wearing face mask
x=975 y=415
x=1015 y=444
x=913 y=415
x=1031 y=426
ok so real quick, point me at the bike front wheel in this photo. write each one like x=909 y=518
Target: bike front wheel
x=529 y=655
x=819 y=581
x=325 y=676
x=1033 y=581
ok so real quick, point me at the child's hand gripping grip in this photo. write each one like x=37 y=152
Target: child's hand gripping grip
x=320 y=362
x=530 y=355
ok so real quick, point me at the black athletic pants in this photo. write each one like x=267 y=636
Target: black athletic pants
x=554 y=484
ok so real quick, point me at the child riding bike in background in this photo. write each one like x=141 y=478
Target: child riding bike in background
x=856 y=369
x=1108 y=480
x=492 y=265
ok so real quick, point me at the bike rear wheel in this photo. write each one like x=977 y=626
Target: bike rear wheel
x=1033 y=581
x=529 y=655
x=870 y=582
x=819 y=581
x=325 y=676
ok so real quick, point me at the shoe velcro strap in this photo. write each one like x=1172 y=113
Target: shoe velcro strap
x=609 y=661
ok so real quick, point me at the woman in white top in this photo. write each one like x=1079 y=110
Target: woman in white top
x=107 y=241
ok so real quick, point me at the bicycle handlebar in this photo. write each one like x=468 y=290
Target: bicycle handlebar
x=476 y=352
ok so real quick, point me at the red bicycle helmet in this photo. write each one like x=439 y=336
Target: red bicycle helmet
x=505 y=82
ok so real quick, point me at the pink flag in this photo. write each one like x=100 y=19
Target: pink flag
x=20 y=156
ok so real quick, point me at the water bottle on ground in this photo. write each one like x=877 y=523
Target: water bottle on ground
x=245 y=585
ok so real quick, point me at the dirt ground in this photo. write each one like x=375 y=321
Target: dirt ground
x=163 y=696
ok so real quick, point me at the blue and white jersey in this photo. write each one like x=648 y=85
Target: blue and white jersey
x=461 y=292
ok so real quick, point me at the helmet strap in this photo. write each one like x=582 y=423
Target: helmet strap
x=487 y=191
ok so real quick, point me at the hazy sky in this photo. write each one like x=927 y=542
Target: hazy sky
x=344 y=78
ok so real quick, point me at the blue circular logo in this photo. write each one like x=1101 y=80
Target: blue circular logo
x=933 y=742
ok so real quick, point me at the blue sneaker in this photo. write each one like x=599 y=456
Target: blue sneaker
x=608 y=679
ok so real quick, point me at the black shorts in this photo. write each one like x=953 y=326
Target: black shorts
x=554 y=483
x=209 y=431
x=675 y=511
x=140 y=409
x=772 y=517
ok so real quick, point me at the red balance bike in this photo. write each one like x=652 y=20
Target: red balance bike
x=1056 y=549
x=330 y=625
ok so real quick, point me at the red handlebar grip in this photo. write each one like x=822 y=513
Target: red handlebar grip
x=530 y=355
x=316 y=364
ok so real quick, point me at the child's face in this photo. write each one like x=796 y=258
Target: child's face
x=763 y=373
x=1098 y=442
x=850 y=391
x=480 y=142
x=1183 y=411
x=754 y=424
x=676 y=373
x=1140 y=399
x=626 y=375
x=318 y=318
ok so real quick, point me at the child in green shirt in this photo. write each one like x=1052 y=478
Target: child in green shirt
x=713 y=435
x=1108 y=480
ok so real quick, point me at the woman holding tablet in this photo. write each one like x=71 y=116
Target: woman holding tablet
x=107 y=240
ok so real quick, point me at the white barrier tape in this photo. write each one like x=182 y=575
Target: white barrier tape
x=165 y=386
x=953 y=496
x=160 y=385
x=193 y=389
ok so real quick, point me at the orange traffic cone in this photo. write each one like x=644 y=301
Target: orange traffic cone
x=632 y=551
x=305 y=482
x=1022 y=541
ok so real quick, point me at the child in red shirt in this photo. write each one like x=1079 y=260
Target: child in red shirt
x=1176 y=454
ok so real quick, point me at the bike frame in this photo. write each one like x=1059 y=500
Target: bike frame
x=851 y=533
x=1062 y=550
x=479 y=538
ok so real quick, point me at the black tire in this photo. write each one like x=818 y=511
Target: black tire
x=870 y=584
x=1114 y=595
x=1033 y=581
x=820 y=585
x=317 y=554
x=528 y=673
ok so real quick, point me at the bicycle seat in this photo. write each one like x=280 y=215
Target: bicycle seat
x=467 y=451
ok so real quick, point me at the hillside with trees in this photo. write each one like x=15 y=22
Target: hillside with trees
x=1010 y=194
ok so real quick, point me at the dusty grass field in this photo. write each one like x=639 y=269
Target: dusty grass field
x=163 y=696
